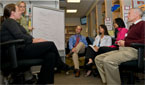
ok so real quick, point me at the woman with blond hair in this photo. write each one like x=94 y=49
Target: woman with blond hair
x=23 y=20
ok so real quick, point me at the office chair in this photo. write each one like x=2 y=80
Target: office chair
x=9 y=62
x=134 y=66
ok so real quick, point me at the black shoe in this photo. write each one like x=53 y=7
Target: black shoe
x=89 y=66
x=95 y=73
x=66 y=68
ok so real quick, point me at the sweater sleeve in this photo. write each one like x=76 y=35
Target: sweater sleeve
x=84 y=41
x=140 y=40
x=16 y=32
x=71 y=42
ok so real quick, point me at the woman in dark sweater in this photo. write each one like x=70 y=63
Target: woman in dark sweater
x=32 y=48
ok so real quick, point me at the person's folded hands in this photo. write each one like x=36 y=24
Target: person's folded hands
x=37 y=40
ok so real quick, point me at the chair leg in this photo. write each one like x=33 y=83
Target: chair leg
x=132 y=78
x=124 y=76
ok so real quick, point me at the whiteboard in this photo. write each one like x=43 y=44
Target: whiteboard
x=48 y=24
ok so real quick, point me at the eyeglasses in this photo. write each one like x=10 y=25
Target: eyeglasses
x=22 y=6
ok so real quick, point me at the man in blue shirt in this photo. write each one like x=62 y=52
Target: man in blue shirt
x=77 y=44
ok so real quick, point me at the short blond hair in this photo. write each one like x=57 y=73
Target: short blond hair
x=79 y=26
x=18 y=4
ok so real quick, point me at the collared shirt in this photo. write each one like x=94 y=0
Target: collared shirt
x=137 y=21
x=105 y=41
x=72 y=41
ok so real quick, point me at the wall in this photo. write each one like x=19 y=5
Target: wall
x=124 y=4
x=92 y=24
x=1 y=9
x=75 y=22
x=30 y=3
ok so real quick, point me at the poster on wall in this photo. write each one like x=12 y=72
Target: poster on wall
x=108 y=23
x=126 y=9
x=137 y=3
x=140 y=4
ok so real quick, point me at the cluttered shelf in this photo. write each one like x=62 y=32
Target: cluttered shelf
x=69 y=31
x=116 y=9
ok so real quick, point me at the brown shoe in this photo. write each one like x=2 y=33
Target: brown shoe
x=69 y=54
x=77 y=74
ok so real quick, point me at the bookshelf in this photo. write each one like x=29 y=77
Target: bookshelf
x=69 y=31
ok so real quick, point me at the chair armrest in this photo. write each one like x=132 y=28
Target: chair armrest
x=10 y=47
x=12 y=42
x=140 y=48
x=138 y=45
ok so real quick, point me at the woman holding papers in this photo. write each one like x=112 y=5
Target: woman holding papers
x=103 y=39
x=90 y=54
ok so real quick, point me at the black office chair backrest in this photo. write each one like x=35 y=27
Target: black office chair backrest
x=90 y=40
x=139 y=63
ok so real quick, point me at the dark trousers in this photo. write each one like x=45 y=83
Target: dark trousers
x=90 y=53
x=46 y=51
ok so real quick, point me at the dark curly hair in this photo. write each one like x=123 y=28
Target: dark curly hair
x=120 y=22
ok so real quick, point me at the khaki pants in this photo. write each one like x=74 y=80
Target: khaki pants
x=107 y=64
x=80 y=48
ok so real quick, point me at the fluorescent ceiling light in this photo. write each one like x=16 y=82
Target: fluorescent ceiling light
x=73 y=1
x=71 y=10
